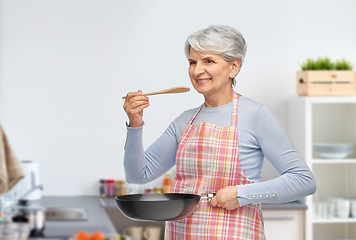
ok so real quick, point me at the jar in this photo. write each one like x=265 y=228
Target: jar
x=102 y=188
x=110 y=188
x=167 y=184
x=120 y=187
x=148 y=190
x=157 y=190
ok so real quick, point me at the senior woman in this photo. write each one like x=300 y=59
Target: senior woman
x=218 y=147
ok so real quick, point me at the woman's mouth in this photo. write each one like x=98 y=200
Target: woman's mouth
x=203 y=81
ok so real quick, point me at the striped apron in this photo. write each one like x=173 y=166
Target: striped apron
x=208 y=160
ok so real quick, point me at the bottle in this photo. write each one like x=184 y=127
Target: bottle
x=110 y=188
x=102 y=188
x=167 y=184
x=1 y=203
x=120 y=187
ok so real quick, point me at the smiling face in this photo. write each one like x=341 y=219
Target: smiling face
x=211 y=75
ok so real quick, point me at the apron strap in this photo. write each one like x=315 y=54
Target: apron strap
x=234 y=110
x=195 y=115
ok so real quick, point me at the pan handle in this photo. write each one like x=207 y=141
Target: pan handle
x=208 y=196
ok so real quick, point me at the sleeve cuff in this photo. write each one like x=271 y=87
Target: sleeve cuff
x=128 y=125
x=242 y=201
x=254 y=193
x=133 y=134
x=242 y=196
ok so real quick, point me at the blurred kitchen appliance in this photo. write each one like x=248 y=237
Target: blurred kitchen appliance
x=31 y=180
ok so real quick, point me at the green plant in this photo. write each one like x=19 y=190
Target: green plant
x=307 y=65
x=343 y=65
x=325 y=64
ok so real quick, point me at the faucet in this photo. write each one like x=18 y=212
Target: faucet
x=40 y=186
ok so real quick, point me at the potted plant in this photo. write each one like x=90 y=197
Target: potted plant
x=322 y=77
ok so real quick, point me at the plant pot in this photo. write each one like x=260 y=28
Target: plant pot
x=326 y=83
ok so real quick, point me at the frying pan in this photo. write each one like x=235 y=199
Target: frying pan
x=159 y=206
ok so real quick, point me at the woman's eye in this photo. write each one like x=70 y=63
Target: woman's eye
x=209 y=61
x=192 y=62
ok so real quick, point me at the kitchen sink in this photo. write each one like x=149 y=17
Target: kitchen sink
x=66 y=214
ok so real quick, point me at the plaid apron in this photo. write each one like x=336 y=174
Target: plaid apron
x=208 y=160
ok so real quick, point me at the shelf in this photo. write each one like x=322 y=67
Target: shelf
x=335 y=220
x=326 y=99
x=326 y=119
x=333 y=161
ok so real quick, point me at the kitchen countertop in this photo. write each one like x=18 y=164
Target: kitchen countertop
x=97 y=220
x=121 y=222
x=297 y=205
x=109 y=204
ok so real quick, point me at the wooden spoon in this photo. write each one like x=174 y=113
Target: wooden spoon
x=169 y=90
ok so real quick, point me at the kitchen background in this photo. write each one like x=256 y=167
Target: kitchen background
x=64 y=66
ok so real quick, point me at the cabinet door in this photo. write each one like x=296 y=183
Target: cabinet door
x=284 y=224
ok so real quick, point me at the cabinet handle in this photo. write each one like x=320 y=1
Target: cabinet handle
x=278 y=218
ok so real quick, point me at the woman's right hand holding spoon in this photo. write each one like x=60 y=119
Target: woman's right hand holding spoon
x=134 y=104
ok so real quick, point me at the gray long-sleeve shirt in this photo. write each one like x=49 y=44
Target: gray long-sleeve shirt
x=259 y=135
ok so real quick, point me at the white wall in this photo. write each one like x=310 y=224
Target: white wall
x=64 y=66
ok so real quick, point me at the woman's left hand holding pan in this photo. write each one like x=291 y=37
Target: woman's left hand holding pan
x=226 y=198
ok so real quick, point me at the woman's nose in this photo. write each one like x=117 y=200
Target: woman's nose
x=199 y=69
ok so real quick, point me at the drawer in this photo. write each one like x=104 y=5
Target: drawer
x=284 y=224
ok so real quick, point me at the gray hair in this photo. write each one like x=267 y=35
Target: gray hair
x=223 y=40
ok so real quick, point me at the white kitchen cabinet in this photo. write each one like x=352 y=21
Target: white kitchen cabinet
x=284 y=224
x=330 y=120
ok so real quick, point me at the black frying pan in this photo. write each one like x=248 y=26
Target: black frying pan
x=159 y=206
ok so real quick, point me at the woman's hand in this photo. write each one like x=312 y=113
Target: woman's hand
x=226 y=198
x=134 y=104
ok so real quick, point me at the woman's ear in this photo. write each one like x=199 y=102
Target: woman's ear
x=235 y=67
